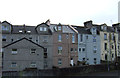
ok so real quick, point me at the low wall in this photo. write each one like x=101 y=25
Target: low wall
x=61 y=71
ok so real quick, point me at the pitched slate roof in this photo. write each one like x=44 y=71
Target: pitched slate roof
x=24 y=28
x=6 y=22
x=109 y=28
x=21 y=40
x=82 y=30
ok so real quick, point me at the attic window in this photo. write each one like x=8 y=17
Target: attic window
x=28 y=31
x=102 y=27
x=4 y=28
x=20 y=31
x=105 y=28
x=59 y=28
x=43 y=29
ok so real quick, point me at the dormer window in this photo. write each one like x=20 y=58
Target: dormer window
x=105 y=28
x=4 y=28
x=94 y=30
x=43 y=29
x=59 y=28
x=102 y=27
x=20 y=31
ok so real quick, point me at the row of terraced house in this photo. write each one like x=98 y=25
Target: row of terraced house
x=48 y=46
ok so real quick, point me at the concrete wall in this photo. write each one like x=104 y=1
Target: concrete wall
x=23 y=58
x=40 y=41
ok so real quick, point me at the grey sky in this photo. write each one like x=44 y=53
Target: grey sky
x=73 y=12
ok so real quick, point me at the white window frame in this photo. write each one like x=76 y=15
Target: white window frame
x=41 y=28
x=45 y=29
x=32 y=52
x=28 y=31
x=14 y=51
x=20 y=31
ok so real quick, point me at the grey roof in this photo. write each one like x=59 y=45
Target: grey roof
x=82 y=30
x=109 y=28
x=16 y=28
x=24 y=28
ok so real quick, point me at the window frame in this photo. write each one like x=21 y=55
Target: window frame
x=59 y=28
x=105 y=36
x=5 y=28
x=59 y=38
x=33 y=64
x=14 y=51
x=73 y=38
x=59 y=50
x=59 y=61
x=44 y=29
x=14 y=64
x=4 y=38
x=32 y=52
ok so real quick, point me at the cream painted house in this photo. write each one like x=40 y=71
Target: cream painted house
x=109 y=43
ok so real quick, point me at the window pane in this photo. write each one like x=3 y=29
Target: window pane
x=13 y=64
x=4 y=28
x=59 y=38
x=45 y=29
x=105 y=46
x=33 y=51
x=71 y=49
x=79 y=49
x=59 y=50
x=83 y=49
x=3 y=38
x=59 y=62
x=33 y=64
x=41 y=28
x=105 y=36
x=73 y=38
x=94 y=38
x=14 y=51
x=59 y=27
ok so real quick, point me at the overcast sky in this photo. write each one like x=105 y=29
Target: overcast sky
x=73 y=12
